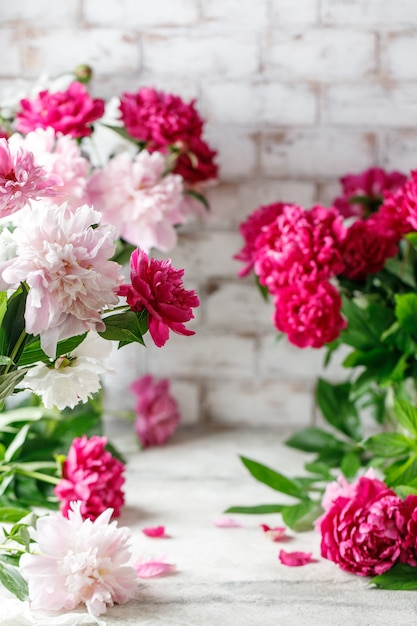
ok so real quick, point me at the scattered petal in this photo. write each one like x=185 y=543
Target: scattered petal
x=276 y=533
x=157 y=532
x=227 y=522
x=154 y=567
x=295 y=559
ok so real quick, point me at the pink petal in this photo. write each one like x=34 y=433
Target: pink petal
x=295 y=559
x=227 y=522
x=157 y=532
x=276 y=533
x=152 y=568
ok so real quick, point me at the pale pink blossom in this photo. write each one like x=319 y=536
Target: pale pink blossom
x=58 y=155
x=64 y=260
x=139 y=199
x=226 y=522
x=92 y=476
x=295 y=559
x=71 y=378
x=156 y=410
x=79 y=562
x=22 y=179
x=277 y=533
x=156 y=532
x=154 y=567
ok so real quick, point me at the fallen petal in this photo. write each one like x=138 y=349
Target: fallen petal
x=295 y=559
x=154 y=567
x=276 y=533
x=227 y=522
x=155 y=531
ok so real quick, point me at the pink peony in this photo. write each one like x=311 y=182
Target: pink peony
x=93 y=476
x=309 y=313
x=196 y=164
x=251 y=228
x=21 y=179
x=136 y=197
x=299 y=245
x=157 y=413
x=79 y=562
x=398 y=213
x=158 y=288
x=366 y=248
x=369 y=185
x=70 y=112
x=364 y=530
x=64 y=259
x=160 y=119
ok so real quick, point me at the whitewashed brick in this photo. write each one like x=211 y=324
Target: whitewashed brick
x=242 y=14
x=10 y=53
x=329 y=191
x=232 y=203
x=257 y=103
x=246 y=309
x=187 y=395
x=237 y=151
x=371 y=105
x=399 y=151
x=289 y=12
x=106 y=50
x=140 y=13
x=204 y=355
x=40 y=13
x=321 y=54
x=369 y=13
x=397 y=56
x=259 y=403
x=116 y=85
x=201 y=53
x=319 y=152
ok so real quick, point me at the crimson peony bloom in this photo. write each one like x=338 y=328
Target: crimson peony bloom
x=158 y=288
x=157 y=413
x=309 y=313
x=70 y=112
x=199 y=166
x=93 y=476
x=364 y=531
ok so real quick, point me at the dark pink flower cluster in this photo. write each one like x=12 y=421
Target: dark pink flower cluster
x=70 y=112
x=398 y=213
x=367 y=528
x=92 y=475
x=156 y=410
x=157 y=287
x=162 y=121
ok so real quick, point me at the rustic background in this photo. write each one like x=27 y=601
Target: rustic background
x=295 y=93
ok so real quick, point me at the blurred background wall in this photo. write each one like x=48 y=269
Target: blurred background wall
x=296 y=93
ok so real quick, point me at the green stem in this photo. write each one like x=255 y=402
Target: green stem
x=52 y=480
x=21 y=340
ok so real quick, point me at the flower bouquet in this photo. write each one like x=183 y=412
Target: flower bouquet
x=346 y=276
x=82 y=189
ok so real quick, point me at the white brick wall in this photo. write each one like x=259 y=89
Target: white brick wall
x=296 y=93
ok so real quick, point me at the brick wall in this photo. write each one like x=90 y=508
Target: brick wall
x=295 y=93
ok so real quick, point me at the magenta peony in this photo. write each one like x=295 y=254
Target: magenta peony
x=71 y=112
x=398 y=213
x=93 y=476
x=196 y=164
x=158 y=288
x=309 y=313
x=363 y=531
x=157 y=413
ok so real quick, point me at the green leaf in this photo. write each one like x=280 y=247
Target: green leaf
x=359 y=332
x=15 y=446
x=406 y=414
x=12 y=515
x=389 y=445
x=313 y=439
x=197 y=196
x=13 y=581
x=33 y=352
x=319 y=468
x=260 y=509
x=350 y=465
x=399 y=577
x=337 y=408
x=9 y=381
x=406 y=311
x=13 y=323
x=402 y=472
x=300 y=517
x=126 y=327
x=273 y=479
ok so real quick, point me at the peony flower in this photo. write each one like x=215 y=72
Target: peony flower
x=398 y=213
x=21 y=179
x=70 y=112
x=196 y=164
x=64 y=260
x=370 y=186
x=136 y=197
x=309 y=313
x=299 y=245
x=79 y=562
x=71 y=378
x=157 y=413
x=58 y=155
x=158 y=288
x=159 y=119
x=91 y=475
x=363 y=531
